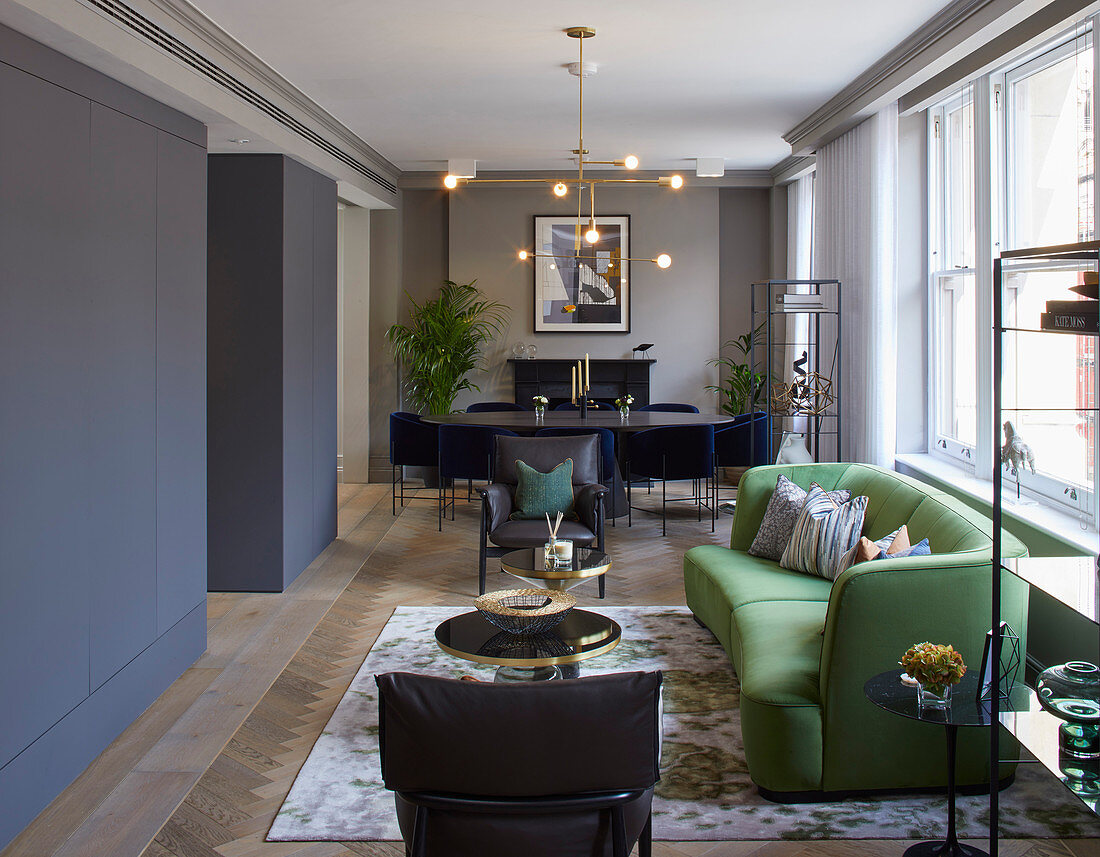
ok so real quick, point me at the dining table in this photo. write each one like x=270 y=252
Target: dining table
x=525 y=422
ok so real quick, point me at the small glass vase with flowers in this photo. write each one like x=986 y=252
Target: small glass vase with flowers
x=936 y=668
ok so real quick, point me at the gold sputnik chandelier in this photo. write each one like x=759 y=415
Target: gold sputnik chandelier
x=560 y=186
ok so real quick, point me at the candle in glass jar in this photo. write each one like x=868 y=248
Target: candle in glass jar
x=563 y=550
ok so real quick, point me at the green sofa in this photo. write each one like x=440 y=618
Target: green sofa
x=804 y=646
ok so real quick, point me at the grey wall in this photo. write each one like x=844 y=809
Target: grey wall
x=674 y=308
x=746 y=253
x=102 y=427
x=272 y=375
x=719 y=239
x=354 y=363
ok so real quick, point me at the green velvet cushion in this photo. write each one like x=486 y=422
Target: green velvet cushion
x=539 y=494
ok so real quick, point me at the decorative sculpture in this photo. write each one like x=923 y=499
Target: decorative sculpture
x=810 y=394
x=1016 y=451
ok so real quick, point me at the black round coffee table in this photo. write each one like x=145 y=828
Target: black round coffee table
x=887 y=691
x=530 y=564
x=534 y=657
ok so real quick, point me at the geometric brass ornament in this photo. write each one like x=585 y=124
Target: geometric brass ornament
x=808 y=395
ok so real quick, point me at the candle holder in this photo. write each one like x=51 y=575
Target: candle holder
x=582 y=406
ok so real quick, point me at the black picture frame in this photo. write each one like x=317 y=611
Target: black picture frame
x=1006 y=672
x=538 y=270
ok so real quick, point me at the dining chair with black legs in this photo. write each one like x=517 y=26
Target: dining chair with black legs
x=742 y=443
x=672 y=454
x=670 y=408
x=465 y=452
x=413 y=443
x=494 y=407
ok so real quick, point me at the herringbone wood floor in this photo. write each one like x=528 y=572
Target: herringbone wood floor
x=203 y=772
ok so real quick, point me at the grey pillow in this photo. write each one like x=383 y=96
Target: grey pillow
x=780 y=517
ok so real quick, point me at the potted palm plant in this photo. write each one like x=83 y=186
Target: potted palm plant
x=744 y=389
x=442 y=344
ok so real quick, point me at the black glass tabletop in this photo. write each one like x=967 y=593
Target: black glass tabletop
x=532 y=562
x=887 y=691
x=581 y=635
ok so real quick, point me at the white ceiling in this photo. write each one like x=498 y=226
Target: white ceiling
x=426 y=80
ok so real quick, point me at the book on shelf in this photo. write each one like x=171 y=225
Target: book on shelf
x=798 y=302
x=1070 y=322
x=1074 y=307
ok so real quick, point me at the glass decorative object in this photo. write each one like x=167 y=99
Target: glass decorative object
x=934 y=695
x=540 y=411
x=519 y=350
x=532 y=350
x=1071 y=692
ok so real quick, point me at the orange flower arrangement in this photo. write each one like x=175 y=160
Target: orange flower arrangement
x=935 y=666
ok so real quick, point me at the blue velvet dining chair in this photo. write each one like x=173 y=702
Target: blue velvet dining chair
x=413 y=443
x=465 y=452
x=742 y=443
x=670 y=408
x=489 y=407
x=672 y=454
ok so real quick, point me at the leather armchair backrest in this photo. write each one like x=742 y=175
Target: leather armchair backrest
x=527 y=739
x=546 y=453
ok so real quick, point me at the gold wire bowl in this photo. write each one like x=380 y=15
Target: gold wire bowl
x=525 y=611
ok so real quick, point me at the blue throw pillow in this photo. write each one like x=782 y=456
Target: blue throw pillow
x=539 y=494
x=921 y=548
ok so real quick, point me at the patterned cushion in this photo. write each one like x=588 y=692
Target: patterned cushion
x=921 y=548
x=824 y=532
x=783 y=508
x=539 y=494
x=866 y=550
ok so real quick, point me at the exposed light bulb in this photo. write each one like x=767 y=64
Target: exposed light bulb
x=677 y=182
x=553 y=267
x=561 y=189
x=450 y=182
x=664 y=260
x=523 y=255
x=631 y=162
x=592 y=236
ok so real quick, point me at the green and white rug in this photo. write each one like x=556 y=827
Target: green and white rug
x=705 y=792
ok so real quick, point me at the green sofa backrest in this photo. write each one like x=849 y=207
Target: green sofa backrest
x=893 y=499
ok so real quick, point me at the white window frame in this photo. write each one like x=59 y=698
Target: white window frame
x=994 y=229
x=940 y=269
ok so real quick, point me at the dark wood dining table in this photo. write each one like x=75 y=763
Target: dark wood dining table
x=525 y=421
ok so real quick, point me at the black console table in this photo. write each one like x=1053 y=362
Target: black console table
x=610 y=379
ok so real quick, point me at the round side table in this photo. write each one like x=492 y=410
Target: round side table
x=887 y=692
x=530 y=565
x=537 y=657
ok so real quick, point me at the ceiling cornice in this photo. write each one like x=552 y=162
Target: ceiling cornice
x=930 y=43
x=218 y=46
x=791 y=168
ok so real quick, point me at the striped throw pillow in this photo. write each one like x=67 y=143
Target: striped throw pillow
x=824 y=533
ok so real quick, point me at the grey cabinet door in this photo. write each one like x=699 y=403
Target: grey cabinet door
x=121 y=286
x=324 y=362
x=181 y=378
x=44 y=479
x=298 y=550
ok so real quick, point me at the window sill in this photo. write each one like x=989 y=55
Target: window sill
x=1062 y=526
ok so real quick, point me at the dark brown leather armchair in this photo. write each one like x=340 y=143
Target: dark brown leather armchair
x=543 y=454
x=542 y=769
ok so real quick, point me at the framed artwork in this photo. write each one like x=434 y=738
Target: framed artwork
x=585 y=290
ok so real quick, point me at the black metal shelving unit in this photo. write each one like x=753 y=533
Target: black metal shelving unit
x=1075 y=581
x=822 y=344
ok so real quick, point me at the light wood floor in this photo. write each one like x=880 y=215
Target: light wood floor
x=204 y=770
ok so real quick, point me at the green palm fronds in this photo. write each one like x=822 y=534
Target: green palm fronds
x=442 y=344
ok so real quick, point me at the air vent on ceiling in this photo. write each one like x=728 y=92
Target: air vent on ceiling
x=151 y=32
